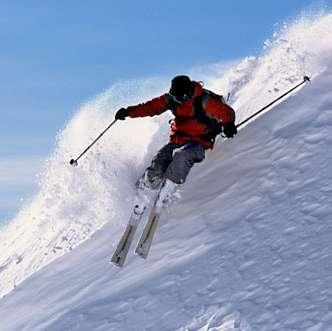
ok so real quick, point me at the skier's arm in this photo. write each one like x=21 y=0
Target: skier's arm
x=153 y=107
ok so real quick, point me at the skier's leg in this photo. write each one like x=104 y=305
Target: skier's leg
x=178 y=170
x=154 y=174
x=183 y=160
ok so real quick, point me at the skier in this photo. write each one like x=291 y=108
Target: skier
x=200 y=115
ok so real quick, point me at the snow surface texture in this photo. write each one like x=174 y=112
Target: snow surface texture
x=248 y=246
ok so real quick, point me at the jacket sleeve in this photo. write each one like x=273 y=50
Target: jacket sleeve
x=219 y=110
x=153 y=107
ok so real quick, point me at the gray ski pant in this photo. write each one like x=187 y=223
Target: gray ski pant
x=173 y=162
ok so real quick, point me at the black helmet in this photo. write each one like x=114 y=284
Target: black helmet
x=181 y=88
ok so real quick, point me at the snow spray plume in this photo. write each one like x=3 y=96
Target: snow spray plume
x=73 y=162
x=305 y=79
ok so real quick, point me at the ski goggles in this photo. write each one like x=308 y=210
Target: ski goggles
x=180 y=98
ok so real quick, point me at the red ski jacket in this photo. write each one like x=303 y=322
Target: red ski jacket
x=186 y=127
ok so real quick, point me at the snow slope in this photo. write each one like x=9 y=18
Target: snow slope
x=248 y=246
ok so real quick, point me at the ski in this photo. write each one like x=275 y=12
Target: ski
x=145 y=241
x=144 y=244
x=122 y=249
x=162 y=199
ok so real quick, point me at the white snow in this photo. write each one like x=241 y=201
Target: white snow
x=247 y=247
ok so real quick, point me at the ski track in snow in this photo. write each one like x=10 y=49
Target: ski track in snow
x=248 y=246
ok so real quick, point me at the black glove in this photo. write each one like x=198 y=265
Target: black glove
x=229 y=130
x=121 y=114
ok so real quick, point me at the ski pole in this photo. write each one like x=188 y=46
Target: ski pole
x=305 y=79
x=73 y=162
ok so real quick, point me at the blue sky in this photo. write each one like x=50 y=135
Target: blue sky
x=55 y=55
